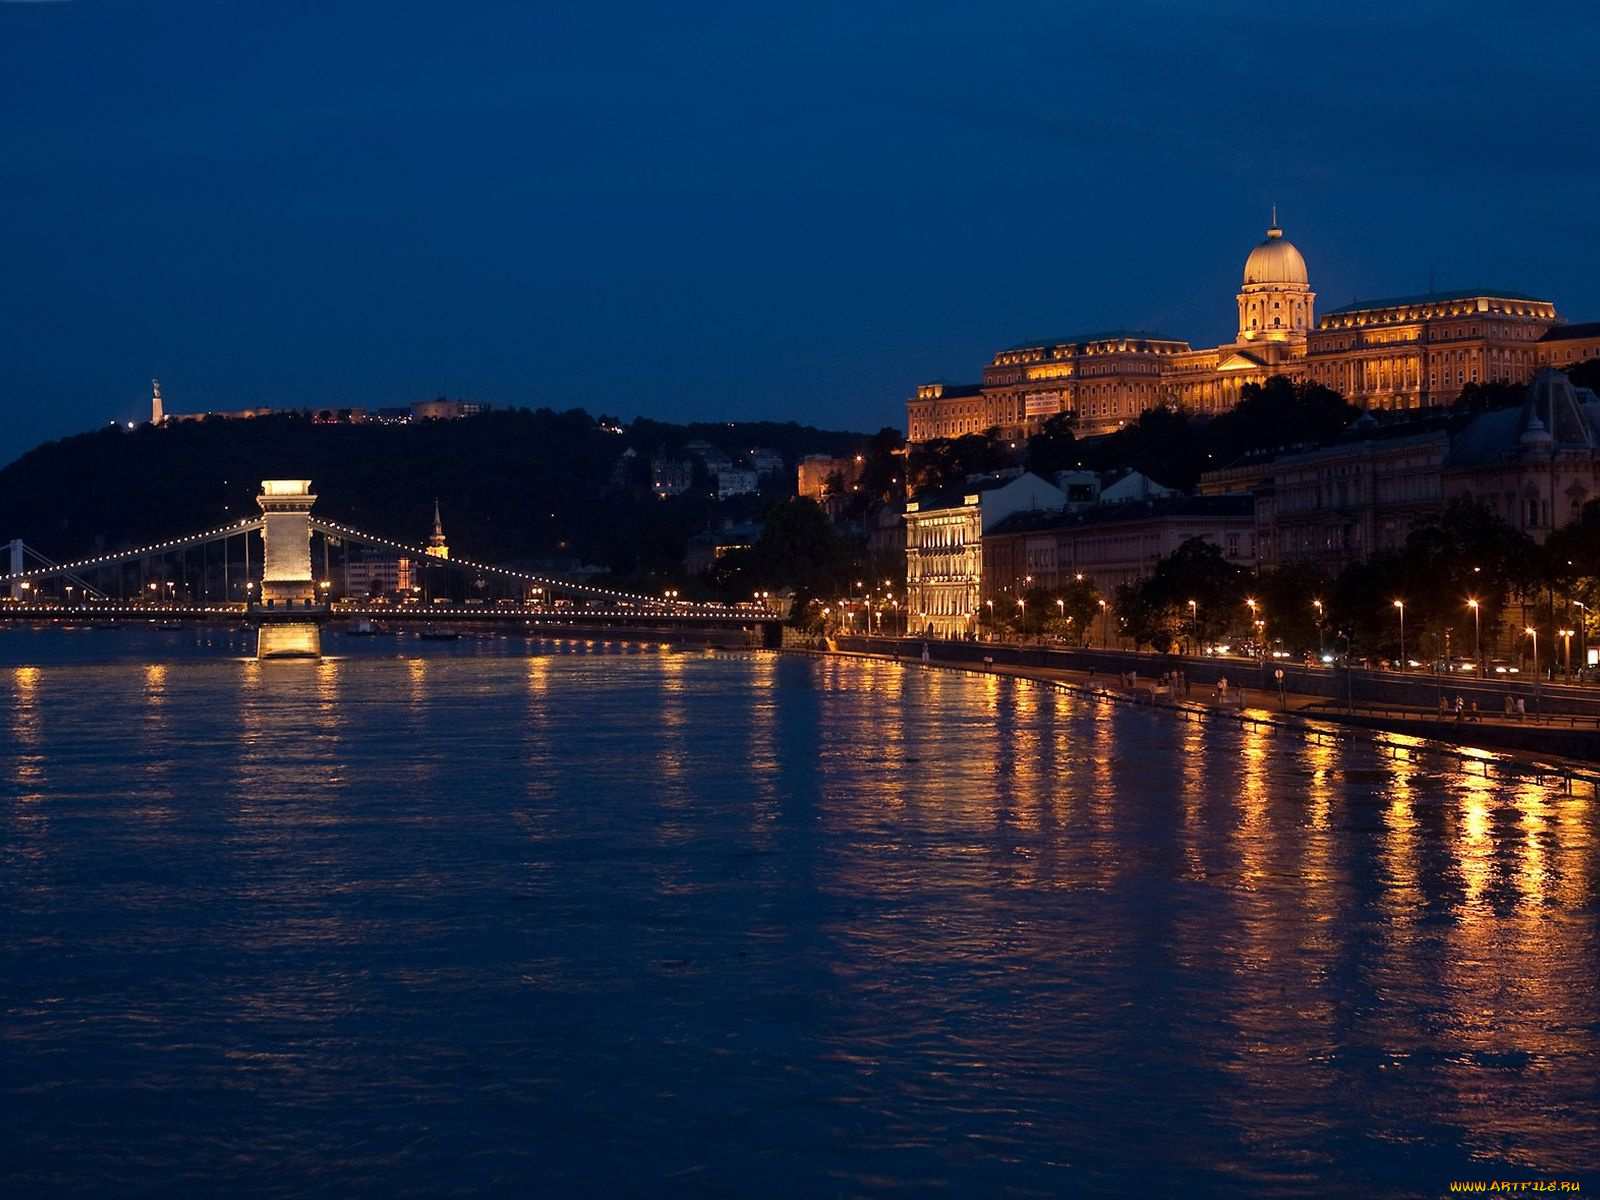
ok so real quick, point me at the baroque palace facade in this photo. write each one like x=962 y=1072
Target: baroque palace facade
x=1404 y=352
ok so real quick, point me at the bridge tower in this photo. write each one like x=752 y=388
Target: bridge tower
x=288 y=608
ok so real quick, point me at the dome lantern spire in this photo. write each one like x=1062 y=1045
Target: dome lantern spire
x=1276 y=302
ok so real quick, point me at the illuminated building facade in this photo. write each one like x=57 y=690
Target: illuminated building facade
x=1534 y=467
x=944 y=547
x=818 y=475
x=1408 y=352
x=1111 y=545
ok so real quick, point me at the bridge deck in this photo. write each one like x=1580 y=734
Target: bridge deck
x=112 y=610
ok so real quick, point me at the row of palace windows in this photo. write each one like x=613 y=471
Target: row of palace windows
x=950 y=538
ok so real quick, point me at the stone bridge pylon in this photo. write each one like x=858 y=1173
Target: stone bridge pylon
x=287 y=609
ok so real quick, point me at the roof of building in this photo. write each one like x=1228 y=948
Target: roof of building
x=1435 y=298
x=1567 y=333
x=956 y=497
x=955 y=389
x=1083 y=339
x=1178 y=508
x=1555 y=416
x=1275 y=260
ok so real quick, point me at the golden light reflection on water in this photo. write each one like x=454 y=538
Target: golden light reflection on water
x=1193 y=795
x=539 y=752
x=28 y=768
x=1313 y=900
x=1322 y=858
x=156 y=769
x=672 y=796
x=1103 y=763
x=1517 y=973
x=1251 y=839
x=292 y=719
x=1003 y=885
x=1400 y=896
x=27 y=819
x=762 y=746
x=1474 y=848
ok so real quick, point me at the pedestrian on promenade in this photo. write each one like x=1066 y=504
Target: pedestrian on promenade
x=1461 y=708
x=1522 y=709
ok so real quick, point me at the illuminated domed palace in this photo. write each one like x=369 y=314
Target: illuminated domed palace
x=1403 y=352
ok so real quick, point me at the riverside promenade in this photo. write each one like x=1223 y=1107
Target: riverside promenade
x=1558 y=723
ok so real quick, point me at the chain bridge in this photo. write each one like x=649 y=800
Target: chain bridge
x=265 y=570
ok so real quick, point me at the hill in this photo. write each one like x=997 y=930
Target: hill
x=512 y=485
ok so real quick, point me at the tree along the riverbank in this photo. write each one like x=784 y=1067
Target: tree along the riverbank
x=1457 y=580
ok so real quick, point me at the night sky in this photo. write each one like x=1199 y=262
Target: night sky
x=738 y=211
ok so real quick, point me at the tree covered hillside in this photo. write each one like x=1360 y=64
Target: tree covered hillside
x=511 y=484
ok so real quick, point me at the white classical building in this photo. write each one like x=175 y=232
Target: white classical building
x=944 y=547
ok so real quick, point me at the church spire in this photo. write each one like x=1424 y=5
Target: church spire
x=436 y=542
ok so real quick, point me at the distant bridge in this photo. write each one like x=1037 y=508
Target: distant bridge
x=275 y=587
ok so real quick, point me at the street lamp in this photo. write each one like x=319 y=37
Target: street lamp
x=1534 y=634
x=1321 y=640
x=1105 y=630
x=1583 y=637
x=1401 y=605
x=1477 y=636
x=1566 y=639
x=1194 y=627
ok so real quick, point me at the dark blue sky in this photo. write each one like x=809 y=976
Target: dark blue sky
x=738 y=211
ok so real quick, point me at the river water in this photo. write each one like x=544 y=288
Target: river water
x=511 y=917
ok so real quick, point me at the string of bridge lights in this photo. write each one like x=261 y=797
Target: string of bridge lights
x=244 y=526
x=344 y=531
x=330 y=528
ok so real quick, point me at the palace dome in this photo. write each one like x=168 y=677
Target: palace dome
x=1275 y=261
